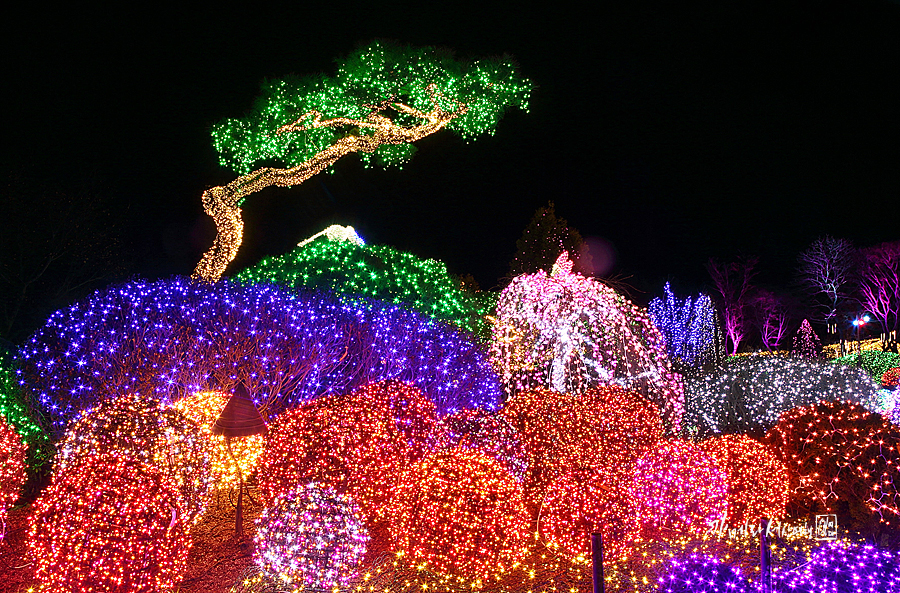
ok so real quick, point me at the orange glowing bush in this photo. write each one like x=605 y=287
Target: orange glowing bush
x=757 y=481
x=460 y=513
x=12 y=469
x=357 y=444
x=109 y=523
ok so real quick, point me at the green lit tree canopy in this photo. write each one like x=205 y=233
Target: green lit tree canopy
x=357 y=271
x=383 y=98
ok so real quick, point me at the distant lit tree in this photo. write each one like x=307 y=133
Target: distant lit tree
x=771 y=316
x=383 y=98
x=879 y=288
x=826 y=272
x=688 y=326
x=732 y=281
x=546 y=236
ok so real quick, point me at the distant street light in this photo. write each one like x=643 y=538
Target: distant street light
x=858 y=323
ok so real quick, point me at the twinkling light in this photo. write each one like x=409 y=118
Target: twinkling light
x=891 y=378
x=109 y=523
x=566 y=332
x=138 y=428
x=491 y=434
x=310 y=537
x=677 y=487
x=688 y=326
x=21 y=414
x=176 y=337
x=806 y=343
x=841 y=457
x=383 y=98
x=357 y=272
x=704 y=574
x=357 y=444
x=843 y=567
x=228 y=461
x=758 y=485
x=748 y=393
x=12 y=470
x=461 y=513
x=876 y=363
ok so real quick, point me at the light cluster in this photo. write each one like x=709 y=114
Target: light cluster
x=110 y=523
x=569 y=333
x=173 y=337
x=12 y=470
x=841 y=456
x=891 y=378
x=138 y=428
x=357 y=272
x=806 y=343
x=20 y=414
x=678 y=487
x=704 y=574
x=758 y=485
x=748 y=393
x=310 y=537
x=843 y=567
x=228 y=461
x=460 y=512
x=688 y=326
x=491 y=434
x=874 y=362
x=357 y=444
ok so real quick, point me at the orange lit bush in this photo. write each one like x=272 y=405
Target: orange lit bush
x=461 y=513
x=109 y=523
x=489 y=433
x=12 y=469
x=757 y=481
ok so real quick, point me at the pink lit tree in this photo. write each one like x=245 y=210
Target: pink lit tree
x=879 y=288
x=732 y=281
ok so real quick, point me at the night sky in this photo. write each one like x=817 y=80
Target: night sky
x=676 y=131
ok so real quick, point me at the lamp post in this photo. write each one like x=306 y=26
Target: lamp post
x=858 y=323
x=239 y=418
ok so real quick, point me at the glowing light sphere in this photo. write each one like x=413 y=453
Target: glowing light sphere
x=311 y=537
x=460 y=513
x=175 y=337
x=139 y=428
x=357 y=444
x=12 y=469
x=204 y=408
x=491 y=434
x=109 y=523
x=844 y=567
x=757 y=480
x=704 y=574
x=677 y=487
x=841 y=456
x=577 y=504
x=568 y=333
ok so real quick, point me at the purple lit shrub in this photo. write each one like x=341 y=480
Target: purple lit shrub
x=838 y=567
x=174 y=337
x=703 y=574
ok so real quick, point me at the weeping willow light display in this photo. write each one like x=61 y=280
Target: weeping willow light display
x=357 y=444
x=566 y=332
x=461 y=513
x=135 y=427
x=758 y=485
x=357 y=272
x=748 y=393
x=12 y=470
x=203 y=409
x=109 y=523
x=841 y=457
x=311 y=537
x=383 y=98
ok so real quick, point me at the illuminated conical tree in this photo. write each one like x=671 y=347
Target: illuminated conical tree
x=383 y=98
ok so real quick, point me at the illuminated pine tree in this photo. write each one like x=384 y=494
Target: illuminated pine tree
x=383 y=98
x=806 y=342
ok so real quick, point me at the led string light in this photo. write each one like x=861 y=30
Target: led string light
x=226 y=467
x=845 y=567
x=460 y=512
x=138 y=428
x=354 y=270
x=876 y=363
x=173 y=337
x=806 y=343
x=704 y=574
x=891 y=378
x=12 y=470
x=16 y=411
x=310 y=124
x=568 y=333
x=688 y=327
x=490 y=434
x=109 y=523
x=310 y=537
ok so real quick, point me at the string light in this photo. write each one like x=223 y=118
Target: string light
x=806 y=343
x=891 y=378
x=311 y=537
x=757 y=481
x=109 y=523
x=356 y=272
x=844 y=567
x=688 y=326
x=226 y=465
x=568 y=333
x=490 y=434
x=309 y=124
x=175 y=337
x=357 y=444
x=704 y=574
x=461 y=513
x=12 y=470
x=139 y=428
